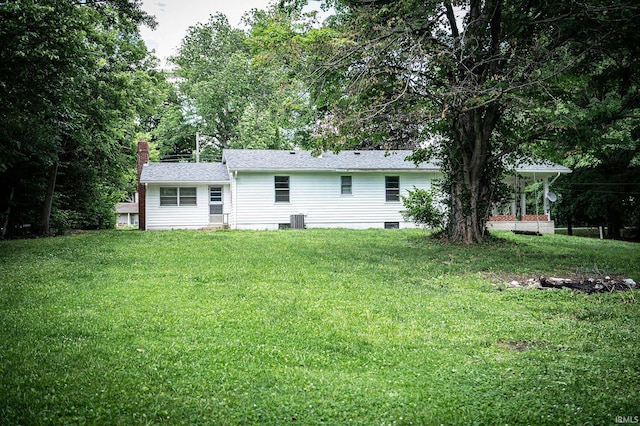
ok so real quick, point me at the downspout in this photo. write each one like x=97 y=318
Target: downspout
x=145 y=208
x=234 y=199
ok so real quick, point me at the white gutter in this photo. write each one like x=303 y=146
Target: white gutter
x=186 y=182
x=328 y=170
x=233 y=187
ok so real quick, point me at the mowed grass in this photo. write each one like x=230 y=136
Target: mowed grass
x=312 y=327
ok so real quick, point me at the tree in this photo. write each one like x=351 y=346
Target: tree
x=240 y=97
x=172 y=129
x=70 y=86
x=602 y=190
x=474 y=80
x=214 y=71
x=601 y=136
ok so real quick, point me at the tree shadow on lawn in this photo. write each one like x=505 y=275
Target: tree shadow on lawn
x=507 y=258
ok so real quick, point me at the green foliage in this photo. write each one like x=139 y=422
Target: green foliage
x=234 y=90
x=234 y=101
x=477 y=81
x=73 y=82
x=421 y=208
x=320 y=326
x=602 y=194
x=213 y=66
x=176 y=137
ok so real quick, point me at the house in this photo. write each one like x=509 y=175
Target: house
x=127 y=214
x=274 y=189
x=186 y=195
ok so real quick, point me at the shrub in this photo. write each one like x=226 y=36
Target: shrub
x=422 y=208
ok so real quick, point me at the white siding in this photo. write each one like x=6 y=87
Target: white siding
x=177 y=217
x=226 y=199
x=317 y=195
x=232 y=205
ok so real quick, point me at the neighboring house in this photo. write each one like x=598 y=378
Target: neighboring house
x=127 y=214
x=268 y=189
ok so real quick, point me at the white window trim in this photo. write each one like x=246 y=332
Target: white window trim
x=276 y=189
x=342 y=186
x=386 y=189
x=178 y=197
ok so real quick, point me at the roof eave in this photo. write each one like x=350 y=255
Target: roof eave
x=187 y=182
x=291 y=170
x=549 y=172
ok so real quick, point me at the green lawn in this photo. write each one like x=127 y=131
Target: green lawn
x=312 y=327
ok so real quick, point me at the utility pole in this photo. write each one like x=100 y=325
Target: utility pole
x=197 y=147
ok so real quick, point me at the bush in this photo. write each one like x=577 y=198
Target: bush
x=421 y=208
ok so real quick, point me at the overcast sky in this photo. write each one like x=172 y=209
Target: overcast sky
x=174 y=17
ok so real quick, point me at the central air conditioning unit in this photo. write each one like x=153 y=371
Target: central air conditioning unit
x=297 y=221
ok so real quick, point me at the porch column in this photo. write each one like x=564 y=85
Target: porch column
x=523 y=203
x=545 y=197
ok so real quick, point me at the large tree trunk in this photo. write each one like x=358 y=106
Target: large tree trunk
x=472 y=177
x=466 y=224
x=48 y=199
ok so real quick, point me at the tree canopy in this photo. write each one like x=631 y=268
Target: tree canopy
x=75 y=76
x=471 y=82
x=230 y=94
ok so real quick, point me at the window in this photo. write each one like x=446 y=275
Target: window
x=215 y=200
x=392 y=188
x=187 y=196
x=345 y=185
x=178 y=196
x=215 y=194
x=168 y=196
x=392 y=225
x=282 y=189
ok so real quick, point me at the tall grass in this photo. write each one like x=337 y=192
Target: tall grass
x=314 y=327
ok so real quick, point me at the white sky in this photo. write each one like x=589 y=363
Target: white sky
x=174 y=17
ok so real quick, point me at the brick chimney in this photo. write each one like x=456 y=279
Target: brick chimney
x=143 y=158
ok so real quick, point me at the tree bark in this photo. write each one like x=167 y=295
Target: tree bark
x=470 y=175
x=8 y=213
x=469 y=195
x=48 y=199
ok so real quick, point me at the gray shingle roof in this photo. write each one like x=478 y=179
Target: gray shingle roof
x=184 y=172
x=245 y=159
x=281 y=160
x=127 y=208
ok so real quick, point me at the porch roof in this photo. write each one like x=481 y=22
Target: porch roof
x=542 y=168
